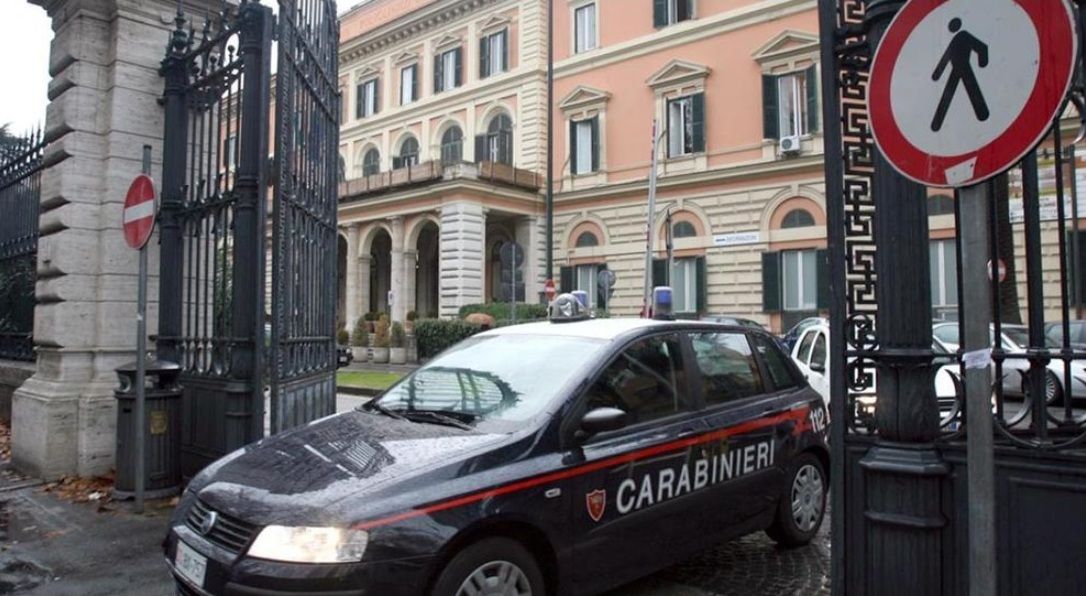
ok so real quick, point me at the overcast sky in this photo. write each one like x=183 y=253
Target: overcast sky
x=24 y=64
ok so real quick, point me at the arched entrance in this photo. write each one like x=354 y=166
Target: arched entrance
x=380 y=271
x=427 y=271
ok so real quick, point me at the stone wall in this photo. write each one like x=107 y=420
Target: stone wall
x=12 y=375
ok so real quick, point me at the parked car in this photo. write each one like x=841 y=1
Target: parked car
x=477 y=474
x=792 y=336
x=1015 y=342
x=734 y=320
x=1054 y=333
x=344 y=356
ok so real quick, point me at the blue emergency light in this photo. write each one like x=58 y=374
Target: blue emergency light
x=581 y=296
x=662 y=303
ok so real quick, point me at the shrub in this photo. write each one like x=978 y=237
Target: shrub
x=412 y=315
x=360 y=338
x=370 y=316
x=500 y=310
x=342 y=337
x=381 y=338
x=399 y=338
x=435 y=335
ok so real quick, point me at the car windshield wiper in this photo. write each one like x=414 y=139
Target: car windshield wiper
x=435 y=417
x=377 y=407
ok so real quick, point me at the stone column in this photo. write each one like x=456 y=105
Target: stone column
x=365 y=263
x=397 y=310
x=102 y=110
x=410 y=279
x=530 y=237
x=353 y=301
x=463 y=226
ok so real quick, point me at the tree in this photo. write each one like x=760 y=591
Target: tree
x=8 y=141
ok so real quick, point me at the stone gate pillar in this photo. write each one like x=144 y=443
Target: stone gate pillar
x=103 y=108
x=397 y=282
x=463 y=226
x=353 y=300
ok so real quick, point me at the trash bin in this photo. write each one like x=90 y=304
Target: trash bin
x=162 y=434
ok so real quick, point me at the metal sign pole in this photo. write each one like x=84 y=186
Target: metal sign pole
x=647 y=298
x=513 y=284
x=141 y=359
x=977 y=364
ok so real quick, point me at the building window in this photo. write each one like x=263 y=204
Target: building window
x=683 y=229
x=684 y=285
x=584 y=145
x=586 y=279
x=494 y=54
x=448 y=67
x=940 y=205
x=584 y=22
x=409 y=84
x=452 y=146
x=669 y=12
x=342 y=173
x=497 y=144
x=686 y=125
x=409 y=154
x=586 y=240
x=800 y=279
x=798 y=218
x=790 y=104
x=367 y=100
x=230 y=153
x=371 y=162
x=943 y=259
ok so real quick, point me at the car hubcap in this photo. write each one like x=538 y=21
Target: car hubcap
x=497 y=578
x=807 y=494
x=1050 y=389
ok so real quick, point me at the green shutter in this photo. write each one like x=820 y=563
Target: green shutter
x=659 y=13
x=659 y=272
x=697 y=121
x=415 y=82
x=459 y=61
x=702 y=285
x=438 y=73
x=565 y=277
x=596 y=144
x=812 y=99
x=480 y=148
x=484 y=58
x=573 y=147
x=359 y=100
x=376 y=96
x=771 y=281
x=505 y=50
x=1076 y=268
x=770 y=125
x=823 y=269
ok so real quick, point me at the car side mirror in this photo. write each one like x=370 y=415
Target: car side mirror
x=818 y=367
x=601 y=420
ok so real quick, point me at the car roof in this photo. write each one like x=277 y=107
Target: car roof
x=605 y=329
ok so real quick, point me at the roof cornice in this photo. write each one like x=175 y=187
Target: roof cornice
x=411 y=24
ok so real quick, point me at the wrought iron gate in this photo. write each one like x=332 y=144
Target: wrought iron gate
x=899 y=524
x=214 y=288
x=20 y=188
x=304 y=232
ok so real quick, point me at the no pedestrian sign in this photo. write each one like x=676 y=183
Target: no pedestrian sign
x=139 y=212
x=961 y=90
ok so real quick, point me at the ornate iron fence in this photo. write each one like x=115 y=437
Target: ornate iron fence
x=20 y=190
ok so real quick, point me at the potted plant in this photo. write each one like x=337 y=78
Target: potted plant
x=370 y=317
x=397 y=353
x=381 y=340
x=360 y=340
x=409 y=326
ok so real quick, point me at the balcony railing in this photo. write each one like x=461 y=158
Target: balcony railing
x=432 y=171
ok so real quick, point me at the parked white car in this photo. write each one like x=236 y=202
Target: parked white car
x=1015 y=341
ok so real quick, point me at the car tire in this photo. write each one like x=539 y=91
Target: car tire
x=483 y=563
x=1053 y=390
x=802 y=506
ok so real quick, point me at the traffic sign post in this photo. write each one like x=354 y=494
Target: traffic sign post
x=138 y=222
x=959 y=93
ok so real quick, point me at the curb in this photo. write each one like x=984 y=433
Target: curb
x=359 y=391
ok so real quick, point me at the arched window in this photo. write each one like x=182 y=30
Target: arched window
x=683 y=229
x=587 y=239
x=409 y=154
x=497 y=144
x=371 y=162
x=940 y=205
x=798 y=218
x=452 y=146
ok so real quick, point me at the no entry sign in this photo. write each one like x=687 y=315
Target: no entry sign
x=961 y=89
x=139 y=211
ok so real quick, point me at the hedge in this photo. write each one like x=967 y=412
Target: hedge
x=500 y=310
x=435 y=335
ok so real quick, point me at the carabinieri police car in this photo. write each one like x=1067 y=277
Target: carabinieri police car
x=553 y=458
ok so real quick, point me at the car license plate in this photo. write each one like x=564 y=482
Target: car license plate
x=190 y=564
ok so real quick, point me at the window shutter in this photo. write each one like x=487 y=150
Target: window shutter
x=415 y=83
x=376 y=96
x=438 y=73
x=659 y=272
x=565 y=277
x=771 y=281
x=697 y=121
x=505 y=50
x=601 y=291
x=484 y=58
x=480 y=148
x=1076 y=267
x=689 y=9
x=573 y=169
x=702 y=283
x=770 y=125
x=596 y=144
x=505 y=147
x=823 y=269
x=403 y=73
x=812 y=99
x=397 y=162
x=458 y=59
x=359 y=100
x=659 y=13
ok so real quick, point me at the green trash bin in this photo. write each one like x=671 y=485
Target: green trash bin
x=162 y=433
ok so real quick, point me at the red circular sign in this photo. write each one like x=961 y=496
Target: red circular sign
x=1002 y=271
x=139 y=211
x=961 y=91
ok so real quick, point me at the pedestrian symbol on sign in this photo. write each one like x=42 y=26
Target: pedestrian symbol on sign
x=959 y=56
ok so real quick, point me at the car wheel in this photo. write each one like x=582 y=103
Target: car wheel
x=491 y=567
x=1053 y=391
x=802 y=505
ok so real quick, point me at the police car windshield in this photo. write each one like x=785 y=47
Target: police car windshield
x=505 y=378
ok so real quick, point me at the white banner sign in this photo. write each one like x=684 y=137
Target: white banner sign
x=737 y=239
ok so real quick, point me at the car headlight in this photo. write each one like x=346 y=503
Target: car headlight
x=310 y=545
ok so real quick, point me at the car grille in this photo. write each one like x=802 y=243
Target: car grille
x=228 y=532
